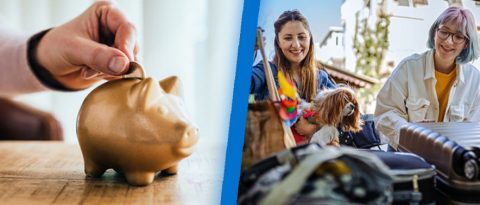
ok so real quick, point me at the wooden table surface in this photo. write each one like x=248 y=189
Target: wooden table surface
x=52 y=173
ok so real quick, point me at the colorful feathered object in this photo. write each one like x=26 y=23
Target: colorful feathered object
x=288 y=99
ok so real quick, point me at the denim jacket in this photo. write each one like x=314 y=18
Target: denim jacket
x=259 y=88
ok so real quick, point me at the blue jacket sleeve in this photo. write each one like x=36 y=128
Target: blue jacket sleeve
x=324 y=81
x=258 y=83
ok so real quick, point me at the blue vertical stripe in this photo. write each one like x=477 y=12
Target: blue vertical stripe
x=238 y=113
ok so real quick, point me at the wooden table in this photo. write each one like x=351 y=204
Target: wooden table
x=52 y=173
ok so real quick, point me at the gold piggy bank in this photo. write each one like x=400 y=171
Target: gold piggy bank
x=136 y=126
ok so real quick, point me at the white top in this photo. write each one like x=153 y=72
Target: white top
x=409 y=96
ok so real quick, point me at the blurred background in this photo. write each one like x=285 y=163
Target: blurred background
x=360 y=42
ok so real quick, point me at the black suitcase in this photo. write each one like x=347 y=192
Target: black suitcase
x=413 y=177
x=454 y=149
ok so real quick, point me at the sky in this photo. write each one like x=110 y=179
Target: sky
x=321 y=14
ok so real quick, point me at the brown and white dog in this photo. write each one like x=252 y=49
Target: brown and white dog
x=335 y=108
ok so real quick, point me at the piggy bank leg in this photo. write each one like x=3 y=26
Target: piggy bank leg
x=140 y=178
x=171 y=170
x=93 y=170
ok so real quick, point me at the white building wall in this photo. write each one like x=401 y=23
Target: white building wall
x=333 y=48
x=349 y=9
x=409 y=27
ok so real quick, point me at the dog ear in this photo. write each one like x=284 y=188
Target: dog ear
x=329 y=108
x=353 y=122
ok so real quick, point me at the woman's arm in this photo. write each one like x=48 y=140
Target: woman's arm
x=15 y=74
x=390 y=111
x=98 y=44
x=324 y=81
x=258 y=83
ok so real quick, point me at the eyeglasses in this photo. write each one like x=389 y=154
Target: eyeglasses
x=457 y=38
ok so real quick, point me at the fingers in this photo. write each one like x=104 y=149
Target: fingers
x=124 y=32
x=109 y=78
x=135 y=51
x=88 y=73
x=302 y=120
x=99 y=57
x=125 y=40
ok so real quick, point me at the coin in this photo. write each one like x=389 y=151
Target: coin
x=135 y=70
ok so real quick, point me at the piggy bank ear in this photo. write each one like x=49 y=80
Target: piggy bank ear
x=145 y=93
x=171 y=85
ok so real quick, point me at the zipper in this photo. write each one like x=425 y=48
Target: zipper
x=415 y=183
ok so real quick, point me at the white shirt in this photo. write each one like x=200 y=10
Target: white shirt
x=409 y=96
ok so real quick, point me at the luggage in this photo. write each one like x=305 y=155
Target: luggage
x=309 y=174
x=454 y=149
x=413 y=177
x=410 y=176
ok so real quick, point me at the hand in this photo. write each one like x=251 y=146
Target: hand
x=305 y=128
x=98 y=44
x=257 y=46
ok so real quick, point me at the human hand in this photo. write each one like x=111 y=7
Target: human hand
x=260 y=43
x=98 y=44
x=305 y=128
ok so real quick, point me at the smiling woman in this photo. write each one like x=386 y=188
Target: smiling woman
x=294 y=55
x=294 y=41
x=438 y=85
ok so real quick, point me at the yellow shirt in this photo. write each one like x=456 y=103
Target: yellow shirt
x=444 y=83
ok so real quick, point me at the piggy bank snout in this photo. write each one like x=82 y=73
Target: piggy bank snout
x=188 y=135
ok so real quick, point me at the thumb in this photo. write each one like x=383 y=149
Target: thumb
x=100 y=57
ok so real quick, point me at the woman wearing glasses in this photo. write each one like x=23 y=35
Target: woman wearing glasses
x=439 y=85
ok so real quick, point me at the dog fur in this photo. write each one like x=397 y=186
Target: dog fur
x=335 y=108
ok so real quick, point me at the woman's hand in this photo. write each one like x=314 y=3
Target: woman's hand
x=305 y=128
x=98 y=44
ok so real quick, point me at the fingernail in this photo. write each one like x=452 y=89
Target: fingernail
x=117 y=64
